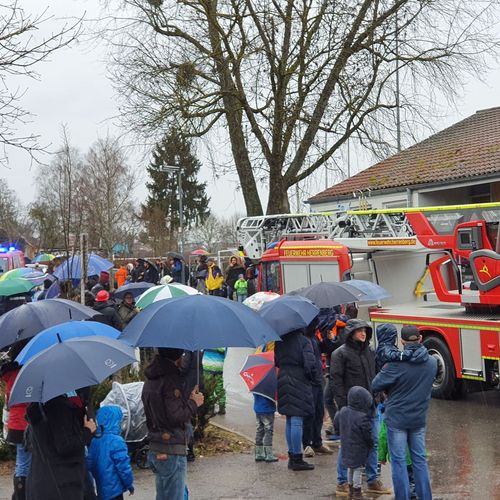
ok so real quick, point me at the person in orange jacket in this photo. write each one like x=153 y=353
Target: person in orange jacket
x=121 y=276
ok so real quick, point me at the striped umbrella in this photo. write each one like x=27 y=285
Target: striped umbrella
x=34 y=275
x=161 y=292
x=44 y=257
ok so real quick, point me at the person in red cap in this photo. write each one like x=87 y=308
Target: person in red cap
x=107 y=309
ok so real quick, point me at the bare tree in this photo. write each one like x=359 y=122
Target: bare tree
x=290 y=81
x=58 y=189
x=10 y=213
x=21 y=49
x=107 y=184
x=216 y=233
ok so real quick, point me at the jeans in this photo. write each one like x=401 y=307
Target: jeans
x=356 y=477
x=230 y=292
x=371 y=464
x=314 y=423
x=23 y=461
x=170 y=476
x=294 y=434
x=241 y=297
x=329 y=400
x=265 y=429
x=414 y=439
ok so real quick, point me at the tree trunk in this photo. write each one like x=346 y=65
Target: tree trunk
x=278 y=202
x=233 y=112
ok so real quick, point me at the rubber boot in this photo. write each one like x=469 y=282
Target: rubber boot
x=299 y=464
x=357 y=494
x=268 y=451
x=260 y=454
x=19 y=488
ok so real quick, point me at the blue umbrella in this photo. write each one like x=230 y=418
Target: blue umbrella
x=371 y=290
x=72 y=268
x=198 y=322
x=64 y=331
x=135 y=289
x=27 y=320
x=67 y=366
x=289 y=313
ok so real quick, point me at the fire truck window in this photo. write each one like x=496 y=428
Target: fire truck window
x=272 y=277
x=492 y=229
x=4 y=264
x=17 y=261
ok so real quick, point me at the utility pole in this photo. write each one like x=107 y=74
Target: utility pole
x=83 y=264
x=178 y=169
x=398 y=110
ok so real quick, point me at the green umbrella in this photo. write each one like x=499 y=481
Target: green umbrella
x=161 y=292
x=15 y=286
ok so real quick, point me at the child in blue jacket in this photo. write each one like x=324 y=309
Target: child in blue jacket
x=264 y=409
x=108 y=460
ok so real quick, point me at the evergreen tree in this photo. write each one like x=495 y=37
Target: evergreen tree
x=173 y=149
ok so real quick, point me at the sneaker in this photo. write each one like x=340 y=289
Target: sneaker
x=378 y=488
x=308 y=452
x=342 y=490
x=323 y=450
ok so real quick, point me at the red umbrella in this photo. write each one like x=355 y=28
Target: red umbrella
x=259 y=374
x=199 y=251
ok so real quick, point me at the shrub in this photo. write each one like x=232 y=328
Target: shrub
x=207 y=410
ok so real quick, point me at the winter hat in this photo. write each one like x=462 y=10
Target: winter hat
x=102 y=296
x=410 y=333
x=170 y=353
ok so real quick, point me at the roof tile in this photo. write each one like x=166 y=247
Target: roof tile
x=470 y=148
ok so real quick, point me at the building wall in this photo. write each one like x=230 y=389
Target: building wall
x=459 y=193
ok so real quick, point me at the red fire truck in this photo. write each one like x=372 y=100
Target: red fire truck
x=441 y=265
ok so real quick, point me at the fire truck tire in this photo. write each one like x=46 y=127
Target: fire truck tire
x=446 y=385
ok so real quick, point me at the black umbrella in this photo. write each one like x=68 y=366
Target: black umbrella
x=135 y=289
x=175 y=255
x=151 y=263
x=330 y=294
x=27 y=320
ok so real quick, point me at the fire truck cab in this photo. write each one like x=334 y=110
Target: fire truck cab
x=290 y=265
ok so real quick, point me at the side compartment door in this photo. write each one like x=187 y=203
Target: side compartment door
x=470 y=349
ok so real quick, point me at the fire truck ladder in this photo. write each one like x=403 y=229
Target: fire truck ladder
x=255 y=233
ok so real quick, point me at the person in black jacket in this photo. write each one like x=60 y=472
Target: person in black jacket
x=353 y=364
x=107 y=310
x=313 y=424
x=168 y=411
x=353 y=423
x=150 y=274
x=295 y=358
x=57 y=435
x=232 y=274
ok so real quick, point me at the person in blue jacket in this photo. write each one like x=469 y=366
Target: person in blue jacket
x=264 y=409
x=408 y=385
x=108 y=460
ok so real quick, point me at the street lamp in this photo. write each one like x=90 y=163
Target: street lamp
x=172 y=169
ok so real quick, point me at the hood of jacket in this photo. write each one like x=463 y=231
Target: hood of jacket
x=352 y=325
x=160 y=367
x=387 y=334
x=359 y=399
x=109 y=419
x=418 y=353
x=99 y=306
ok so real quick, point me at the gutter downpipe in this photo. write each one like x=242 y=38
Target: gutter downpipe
x=408 y=197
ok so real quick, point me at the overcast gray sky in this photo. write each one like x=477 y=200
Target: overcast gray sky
x=73 y=89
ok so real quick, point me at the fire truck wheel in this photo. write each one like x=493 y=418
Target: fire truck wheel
x=445 y=385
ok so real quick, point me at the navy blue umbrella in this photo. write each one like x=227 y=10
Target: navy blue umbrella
x=198 y=322
x=27 y=320
x=289 y=313
x=330 y=294
x=371 y=291
x=64 y=331
x=67 y=366
x=135 y=289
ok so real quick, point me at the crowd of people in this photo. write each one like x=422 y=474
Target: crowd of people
x=376 y=402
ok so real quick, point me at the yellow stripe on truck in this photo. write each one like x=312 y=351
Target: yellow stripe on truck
x=445 y=208
x=435 y=323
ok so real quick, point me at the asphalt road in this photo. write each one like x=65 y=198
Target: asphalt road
x=463 y=446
